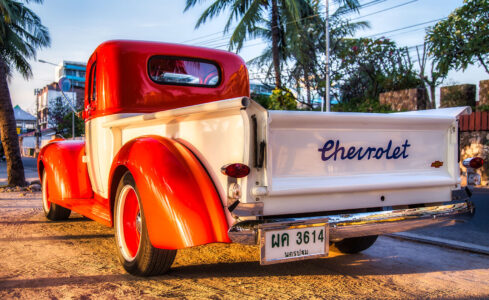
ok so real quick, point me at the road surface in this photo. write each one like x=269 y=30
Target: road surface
x=76 y=259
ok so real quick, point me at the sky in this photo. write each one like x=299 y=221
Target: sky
x=78 y=27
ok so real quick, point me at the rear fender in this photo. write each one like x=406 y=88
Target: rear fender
x=181 y=205
x=64 y=167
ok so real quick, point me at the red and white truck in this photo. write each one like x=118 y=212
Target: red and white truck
x=177 y=155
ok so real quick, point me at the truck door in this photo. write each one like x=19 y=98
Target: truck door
x=91 y=148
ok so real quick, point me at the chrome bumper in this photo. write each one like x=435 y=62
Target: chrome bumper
x=360 y=224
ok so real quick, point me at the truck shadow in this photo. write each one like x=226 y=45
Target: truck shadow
x=348 y=265
x=387 y=257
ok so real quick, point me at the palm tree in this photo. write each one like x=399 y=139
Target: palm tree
x=251 y=14
x=21 y=34
x=304 y=48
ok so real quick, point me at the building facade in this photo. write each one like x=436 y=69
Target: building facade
x=73 y=70
x=49 y=94
x=25 y=121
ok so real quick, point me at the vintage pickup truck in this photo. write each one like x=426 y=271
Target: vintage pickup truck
x=177 y=155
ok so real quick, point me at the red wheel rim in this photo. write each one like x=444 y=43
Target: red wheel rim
x=129 y=223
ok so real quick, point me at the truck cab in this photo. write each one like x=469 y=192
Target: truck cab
x=177 y=155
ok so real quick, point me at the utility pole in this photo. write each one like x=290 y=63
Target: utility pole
x=37 y=92
x=328 y=100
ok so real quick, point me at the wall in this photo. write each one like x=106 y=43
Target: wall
x=410 y=99
x=484 y=92
x=457 y=95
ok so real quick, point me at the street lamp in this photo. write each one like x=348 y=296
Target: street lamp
x=46 y=62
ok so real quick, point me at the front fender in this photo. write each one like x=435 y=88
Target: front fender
x=62 y=161
x=180 y=202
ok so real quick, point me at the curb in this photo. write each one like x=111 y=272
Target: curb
x=457 y=245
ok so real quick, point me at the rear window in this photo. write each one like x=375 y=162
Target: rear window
x=184 y=71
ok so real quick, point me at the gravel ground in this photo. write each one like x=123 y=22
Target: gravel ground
x=76 y=259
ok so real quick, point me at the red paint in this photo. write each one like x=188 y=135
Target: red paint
x=69 y=184
x=67 y=175
x=180 y=202
x=123 y=84
x=130 y=212
x=181 y=205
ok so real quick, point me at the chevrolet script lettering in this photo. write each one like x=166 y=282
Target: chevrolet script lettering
x=333 y=150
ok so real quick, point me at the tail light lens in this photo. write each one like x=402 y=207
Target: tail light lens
x=473 y=162
x=236 y=170
x=476 y=162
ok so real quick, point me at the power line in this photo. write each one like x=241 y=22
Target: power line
x=409 y=31
x=384 y=10
x=406 y=27
x=208 y=35
x=368 y=4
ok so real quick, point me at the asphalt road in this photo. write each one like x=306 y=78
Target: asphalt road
x=474 y=231
x=29 y=163
x=76 y=259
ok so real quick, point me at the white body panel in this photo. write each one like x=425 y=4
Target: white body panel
x=302 y=180
x=295 y=177
x=215 y=132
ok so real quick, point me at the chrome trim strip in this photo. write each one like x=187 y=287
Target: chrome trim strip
x=359 y=224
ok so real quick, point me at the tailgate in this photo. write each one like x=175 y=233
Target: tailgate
x=335 y=161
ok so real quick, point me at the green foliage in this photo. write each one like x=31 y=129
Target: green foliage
x=263 y=100
x=368 y=105
x=60 y=118
x=303 y=47
x=484 y=107
x=21 y=34
x=370 y=67
x=282 y=99
x=66 y=126
x=462 y=39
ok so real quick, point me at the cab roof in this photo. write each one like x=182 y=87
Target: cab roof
x=119 y=69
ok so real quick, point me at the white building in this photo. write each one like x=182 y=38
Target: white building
x=49 y=93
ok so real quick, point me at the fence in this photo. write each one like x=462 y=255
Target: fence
x=476 y=121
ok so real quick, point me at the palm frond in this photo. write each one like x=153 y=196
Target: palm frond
x=21 y=34
x=246 y=25
x=212 y=11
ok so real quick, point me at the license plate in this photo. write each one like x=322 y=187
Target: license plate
x=282 y=245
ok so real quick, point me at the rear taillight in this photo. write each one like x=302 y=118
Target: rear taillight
x=236 y=170
x=473 y=162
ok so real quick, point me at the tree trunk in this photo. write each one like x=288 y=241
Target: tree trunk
x=8 y=132
x=481 y=60
x=275 y=38
x=432 y=93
